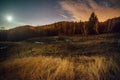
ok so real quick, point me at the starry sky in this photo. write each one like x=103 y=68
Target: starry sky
x=41 y=12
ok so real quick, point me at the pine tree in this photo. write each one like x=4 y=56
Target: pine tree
x=93 y=24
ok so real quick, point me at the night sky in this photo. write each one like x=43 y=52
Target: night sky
x=41 y=12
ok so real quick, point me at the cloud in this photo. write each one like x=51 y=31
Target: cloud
x=111 y=3
x=81 y=9
x=64 y=16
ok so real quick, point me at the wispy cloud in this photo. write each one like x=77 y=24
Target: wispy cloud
x=64 y=16
x=81 y=9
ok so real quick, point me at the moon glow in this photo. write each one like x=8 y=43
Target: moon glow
x=9 y=18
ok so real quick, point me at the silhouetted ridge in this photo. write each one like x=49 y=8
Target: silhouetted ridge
x=92 y=27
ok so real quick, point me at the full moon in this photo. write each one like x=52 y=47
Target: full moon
x=9 y=18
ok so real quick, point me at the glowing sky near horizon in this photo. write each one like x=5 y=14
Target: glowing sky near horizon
x=40 y=12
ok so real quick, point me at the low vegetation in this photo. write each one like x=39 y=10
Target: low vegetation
x=69 y=68
x=61 y=58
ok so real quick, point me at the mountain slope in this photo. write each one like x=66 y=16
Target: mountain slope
x=59 y=28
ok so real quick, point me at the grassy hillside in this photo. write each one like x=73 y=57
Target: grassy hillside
x=61 y=28
x=62 y=58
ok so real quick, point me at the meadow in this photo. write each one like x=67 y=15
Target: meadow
x=62 y=58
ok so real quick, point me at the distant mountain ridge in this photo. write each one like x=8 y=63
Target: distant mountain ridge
x=59 y=28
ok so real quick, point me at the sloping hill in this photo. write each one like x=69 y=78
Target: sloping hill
x=59 y=28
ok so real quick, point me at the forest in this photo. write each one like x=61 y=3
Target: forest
x=64 y=28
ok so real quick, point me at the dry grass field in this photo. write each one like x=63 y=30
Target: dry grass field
x=69 y=68
x=66 y=58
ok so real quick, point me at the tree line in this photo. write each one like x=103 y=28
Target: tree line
x=91 y=27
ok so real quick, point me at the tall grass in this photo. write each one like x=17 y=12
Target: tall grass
x=70 y=68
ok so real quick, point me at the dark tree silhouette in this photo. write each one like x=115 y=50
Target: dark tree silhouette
x=93 y=24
